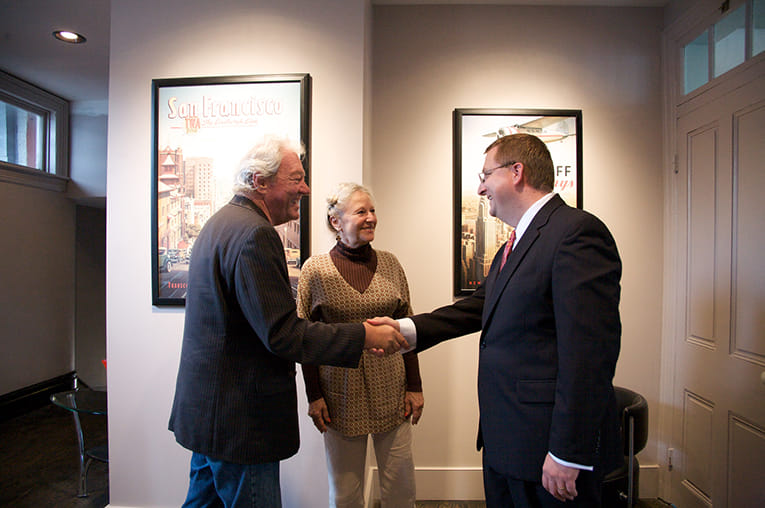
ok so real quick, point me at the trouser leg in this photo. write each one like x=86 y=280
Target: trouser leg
x=495 y=487
x=346 y=458
x=395 y=465
x=201 y=492
x=220 y=484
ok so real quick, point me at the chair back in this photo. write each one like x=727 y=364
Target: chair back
x=632 y=405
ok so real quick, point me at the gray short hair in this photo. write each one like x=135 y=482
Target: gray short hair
x=337 y=201
x=264 y=159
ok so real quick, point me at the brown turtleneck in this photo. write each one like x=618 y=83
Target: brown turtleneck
x=357 y=266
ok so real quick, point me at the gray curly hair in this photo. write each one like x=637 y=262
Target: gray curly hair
x=264 y=159
x=337 y=201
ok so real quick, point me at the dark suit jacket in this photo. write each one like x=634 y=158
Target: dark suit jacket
x=550 y=335
x=235 y=397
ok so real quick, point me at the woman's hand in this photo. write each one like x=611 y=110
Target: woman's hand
x=319 y=413
x=413 y=404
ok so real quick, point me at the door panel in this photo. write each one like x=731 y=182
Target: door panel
x=749 y=242
x=719 y=398
x=702 y=148
x=746 y=474
x=697 y=418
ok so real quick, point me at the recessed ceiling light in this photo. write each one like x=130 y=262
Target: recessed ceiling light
x=67 y=36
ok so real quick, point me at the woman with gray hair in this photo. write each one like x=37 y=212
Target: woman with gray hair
x=351 y=283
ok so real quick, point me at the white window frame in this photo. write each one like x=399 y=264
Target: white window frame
x=707 y=23
x=55 y=173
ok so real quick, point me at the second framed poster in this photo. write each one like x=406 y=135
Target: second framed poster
x=202 y=127
x=477 y=235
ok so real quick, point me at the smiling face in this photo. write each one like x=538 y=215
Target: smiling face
x=498 y=186
x=284 y=190
x=356 y=224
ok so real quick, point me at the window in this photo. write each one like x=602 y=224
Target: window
x=24 y=135
x=731 y=40
x=34 y=130
x=696 y=58
x=758 y=27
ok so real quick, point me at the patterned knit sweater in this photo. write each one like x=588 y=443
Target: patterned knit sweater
x=370 y=398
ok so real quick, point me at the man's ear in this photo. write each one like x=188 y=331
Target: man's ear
x=517 y=170
x=259 y=182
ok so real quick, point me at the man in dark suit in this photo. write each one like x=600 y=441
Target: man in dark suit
x=235 y=402
x=550 y=335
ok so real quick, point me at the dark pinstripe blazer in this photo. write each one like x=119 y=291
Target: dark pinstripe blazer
x=550 y=335
x=235 y=397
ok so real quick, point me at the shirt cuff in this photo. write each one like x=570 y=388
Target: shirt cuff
x=566 y=463
x=409 y=331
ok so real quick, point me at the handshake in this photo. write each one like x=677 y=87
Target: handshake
x=383 y=336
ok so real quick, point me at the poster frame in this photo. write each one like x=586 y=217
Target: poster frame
x=505 y=122
x=248 y=106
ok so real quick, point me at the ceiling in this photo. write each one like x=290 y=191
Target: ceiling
x=76 y=72
x=79 y=72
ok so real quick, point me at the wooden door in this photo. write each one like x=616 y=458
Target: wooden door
x=717 y=447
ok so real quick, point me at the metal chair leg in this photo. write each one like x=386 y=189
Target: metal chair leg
x=631 y=465
x=82 y=490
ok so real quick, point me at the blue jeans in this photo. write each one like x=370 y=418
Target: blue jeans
x=214 y=483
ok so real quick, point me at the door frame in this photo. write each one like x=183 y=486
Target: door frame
x=675 y=104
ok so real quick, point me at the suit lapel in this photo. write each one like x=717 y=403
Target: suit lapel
x=500 y=278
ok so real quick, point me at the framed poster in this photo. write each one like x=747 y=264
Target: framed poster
x=477 y=235
x=202 y=127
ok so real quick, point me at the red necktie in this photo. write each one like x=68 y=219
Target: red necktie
x=508 y=249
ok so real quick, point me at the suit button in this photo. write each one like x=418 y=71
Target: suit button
x=483 y=344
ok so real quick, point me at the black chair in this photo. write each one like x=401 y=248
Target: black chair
x=621 y=486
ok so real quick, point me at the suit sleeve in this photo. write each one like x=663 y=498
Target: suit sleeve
x=264 y=294
x=455 y=320
x=586 y=291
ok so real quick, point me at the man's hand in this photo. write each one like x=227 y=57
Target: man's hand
x=413 y=403
x=385 y=321
x=383 y=340
x=319 y=413
x=559 y=480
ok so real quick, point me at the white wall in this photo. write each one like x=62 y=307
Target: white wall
x=429 y=60
x=37 y=286
x=90 y=295
x=88 y=154
x=177 y=38
x=678 y=9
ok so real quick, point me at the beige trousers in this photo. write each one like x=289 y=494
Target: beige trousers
x=346 y=457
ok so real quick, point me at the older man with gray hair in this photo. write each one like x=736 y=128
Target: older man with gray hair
x=235 y=402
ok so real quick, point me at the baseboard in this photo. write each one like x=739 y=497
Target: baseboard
x=649 y=481
x=33 y=397
x=462 y=483
x=466 y=484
